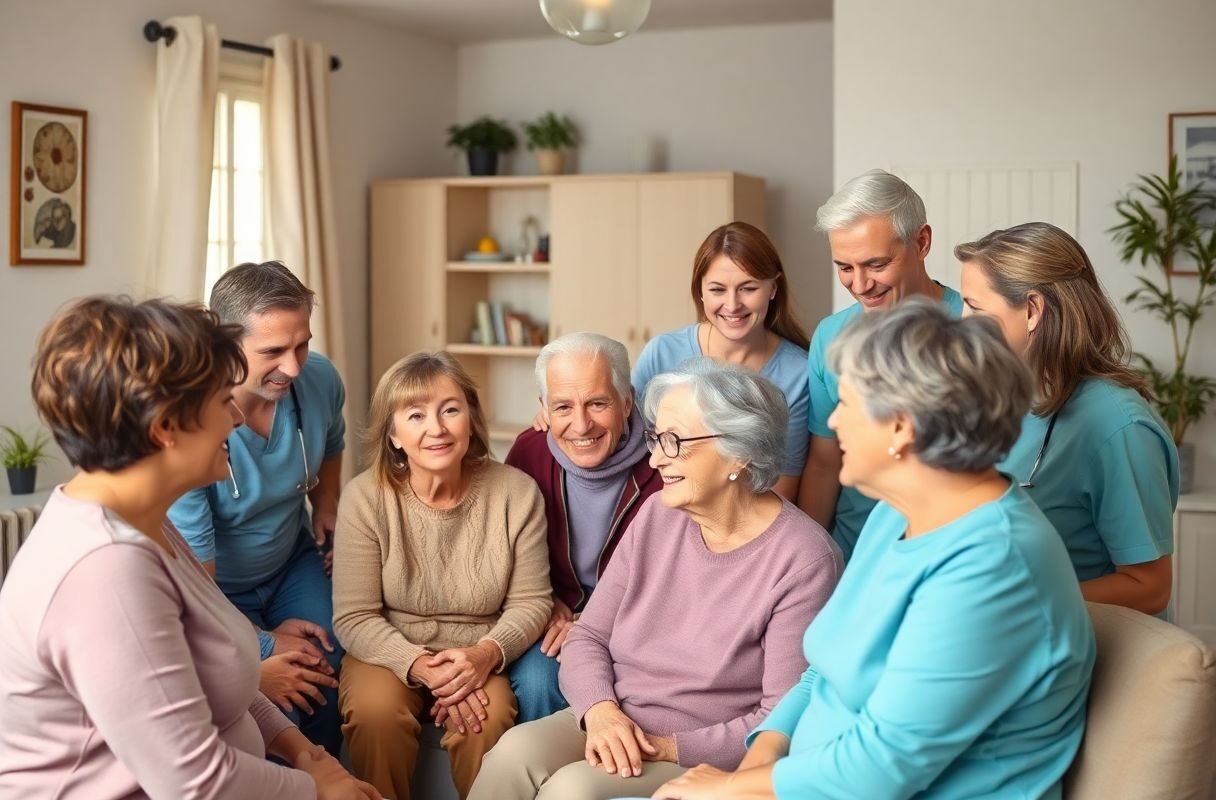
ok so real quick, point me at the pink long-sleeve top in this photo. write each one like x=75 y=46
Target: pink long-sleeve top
x=125 y=672
x=698 y=644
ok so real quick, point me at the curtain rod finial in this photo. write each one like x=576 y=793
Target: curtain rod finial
x=154 y=31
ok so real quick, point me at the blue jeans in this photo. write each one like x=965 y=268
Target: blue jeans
x=301 y=590
x=534 y=681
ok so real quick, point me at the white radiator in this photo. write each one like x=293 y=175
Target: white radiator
x=15 y=527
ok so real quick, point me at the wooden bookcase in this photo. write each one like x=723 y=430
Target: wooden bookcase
x=621 y=251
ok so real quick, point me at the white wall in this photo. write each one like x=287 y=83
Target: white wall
x=390 y=102
x=966 y=83
x=754 y=99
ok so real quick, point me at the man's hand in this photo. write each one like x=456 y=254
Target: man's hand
x=615 y=743
x=324 y=522
x=290 y=679
x=557 y=629
x=294 y=636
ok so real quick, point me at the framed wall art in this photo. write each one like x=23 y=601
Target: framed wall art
x=47 y=214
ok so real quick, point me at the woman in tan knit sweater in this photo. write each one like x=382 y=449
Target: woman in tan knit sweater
x=441 y=578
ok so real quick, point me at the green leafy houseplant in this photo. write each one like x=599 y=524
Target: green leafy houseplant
x=482 y=139
x=1164 y=223
x=21 y=453
x=551 y=132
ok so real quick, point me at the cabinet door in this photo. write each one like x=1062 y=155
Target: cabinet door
x=594 y=255
x=675 y=216
x=1194 y=600
x=407 y=262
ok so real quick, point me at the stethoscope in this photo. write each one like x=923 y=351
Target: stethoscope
x=308 y=483
x=1051 y=426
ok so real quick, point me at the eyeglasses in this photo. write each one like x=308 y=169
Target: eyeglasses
x=670 y=442
x=1051 y=424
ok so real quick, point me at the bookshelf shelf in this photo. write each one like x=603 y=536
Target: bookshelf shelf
x=464 y=349
x=498 y=268
x=506 y=431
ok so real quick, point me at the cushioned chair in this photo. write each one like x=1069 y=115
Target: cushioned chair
x=1151 y=726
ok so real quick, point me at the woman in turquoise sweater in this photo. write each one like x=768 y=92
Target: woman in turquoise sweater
x=1093 y=454
x=954 y=658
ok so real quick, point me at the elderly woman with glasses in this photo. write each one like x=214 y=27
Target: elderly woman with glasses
x=1093 y=453
x=954 y=659
x=693 y=631
x=441 y=578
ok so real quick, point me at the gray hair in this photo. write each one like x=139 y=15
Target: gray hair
x=592 y=346
x=964 y=389
x=745 y=409
x=876 y=193
x=248 y=289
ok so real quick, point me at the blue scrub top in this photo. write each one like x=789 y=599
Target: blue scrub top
x=786 y=369
x=954 y=664
x=251 y=537
x=1108 y=480
x=852 y=507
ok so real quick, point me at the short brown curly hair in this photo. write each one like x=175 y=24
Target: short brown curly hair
x=107 y=368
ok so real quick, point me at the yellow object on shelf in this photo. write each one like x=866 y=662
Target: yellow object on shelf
x=487 y=245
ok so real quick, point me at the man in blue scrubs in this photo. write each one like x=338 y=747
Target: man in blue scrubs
x=879 y=236
x=254 y=532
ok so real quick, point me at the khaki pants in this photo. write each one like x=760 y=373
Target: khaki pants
x=382 y=717
x=543 y=760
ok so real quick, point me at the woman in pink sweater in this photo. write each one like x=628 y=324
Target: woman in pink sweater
x=695 y=629
x=124 y=672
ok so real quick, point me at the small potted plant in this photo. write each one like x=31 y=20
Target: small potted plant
x=482 y=140
x=1164 y=222
x=549 y=137
x=21 y=459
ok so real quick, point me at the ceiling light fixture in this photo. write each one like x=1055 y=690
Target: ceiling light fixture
x=595 y=21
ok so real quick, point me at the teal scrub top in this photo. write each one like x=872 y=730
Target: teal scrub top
x=955 y=665
x=786 y=369
x=852 y=507
x=1108 y=479
x=252 y=536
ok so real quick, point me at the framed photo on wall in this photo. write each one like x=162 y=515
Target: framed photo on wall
x=1193 y=141
x=47 y=213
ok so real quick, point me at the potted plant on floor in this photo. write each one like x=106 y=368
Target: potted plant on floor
x=482 y=140
x=550 y=136
x=1166 y=225
x=21 y=459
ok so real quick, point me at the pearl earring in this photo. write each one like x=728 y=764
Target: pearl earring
x=891 y=452
x=733 y=476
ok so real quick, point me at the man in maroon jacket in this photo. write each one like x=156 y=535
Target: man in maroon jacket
x=594 y=472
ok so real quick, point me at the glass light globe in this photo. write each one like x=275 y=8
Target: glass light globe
x=595 y=21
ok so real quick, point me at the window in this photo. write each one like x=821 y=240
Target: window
x=236 y=222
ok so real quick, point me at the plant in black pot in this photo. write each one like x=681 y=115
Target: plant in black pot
x=1170 y=228
x=482 y=139
x=21 y=459
x=550 y=136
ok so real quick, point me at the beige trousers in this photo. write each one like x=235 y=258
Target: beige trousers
x=382 y=717
x=543 y=760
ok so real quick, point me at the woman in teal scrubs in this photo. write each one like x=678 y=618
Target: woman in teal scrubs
x=1093 y=453
x=954 y=658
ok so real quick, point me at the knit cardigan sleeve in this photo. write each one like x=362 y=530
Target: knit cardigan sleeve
x=529 y=599
x=359 y=620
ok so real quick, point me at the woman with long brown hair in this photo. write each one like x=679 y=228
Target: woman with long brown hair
x=1092 y=453
x=745 y=316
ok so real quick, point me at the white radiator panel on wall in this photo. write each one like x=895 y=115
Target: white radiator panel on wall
x=964 y=204
x=15 y=527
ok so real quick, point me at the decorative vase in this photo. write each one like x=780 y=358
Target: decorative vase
x=21 y=480
x=483 y=162
x=550 y=162
x=1186 y=467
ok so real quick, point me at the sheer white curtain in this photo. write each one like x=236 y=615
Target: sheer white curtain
x=187 y=73
x=302 y=232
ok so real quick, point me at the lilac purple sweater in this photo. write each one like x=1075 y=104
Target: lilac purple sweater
x=694 y=643
x=125 y=672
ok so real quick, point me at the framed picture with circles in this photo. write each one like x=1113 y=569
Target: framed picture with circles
x=47 y=214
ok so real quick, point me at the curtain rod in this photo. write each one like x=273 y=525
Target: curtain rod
x=154 y=31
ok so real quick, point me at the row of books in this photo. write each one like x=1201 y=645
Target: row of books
x=498 y=325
